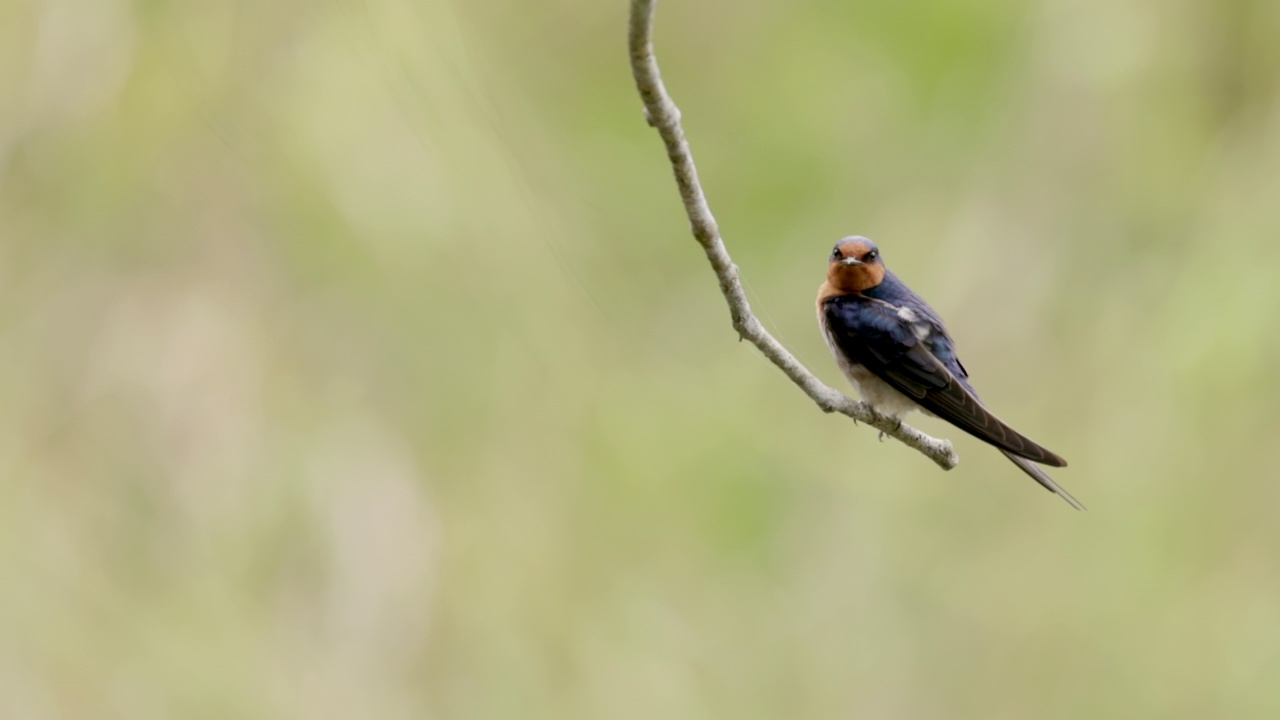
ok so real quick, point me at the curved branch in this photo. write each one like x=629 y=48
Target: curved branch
x=663 y=114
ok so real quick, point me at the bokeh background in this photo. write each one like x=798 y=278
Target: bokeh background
x=357 y=361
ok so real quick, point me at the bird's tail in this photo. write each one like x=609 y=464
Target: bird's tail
x=1042 y=477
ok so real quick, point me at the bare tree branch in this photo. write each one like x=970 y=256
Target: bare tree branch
x=663 y=114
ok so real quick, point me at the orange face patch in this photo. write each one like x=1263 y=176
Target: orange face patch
x=847 y=278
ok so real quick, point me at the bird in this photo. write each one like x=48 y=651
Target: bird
x=896 y=352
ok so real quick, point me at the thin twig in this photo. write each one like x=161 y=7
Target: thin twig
x=663 y=114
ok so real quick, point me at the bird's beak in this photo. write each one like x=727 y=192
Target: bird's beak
x=851 y=261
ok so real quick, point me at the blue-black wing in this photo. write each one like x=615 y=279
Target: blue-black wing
x=903 y=349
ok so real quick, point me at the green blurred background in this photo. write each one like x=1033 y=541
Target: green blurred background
x=358 y=363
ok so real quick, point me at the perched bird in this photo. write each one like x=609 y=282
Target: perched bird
x=896 y=352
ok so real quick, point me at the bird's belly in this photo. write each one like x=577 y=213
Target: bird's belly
x=880 y=394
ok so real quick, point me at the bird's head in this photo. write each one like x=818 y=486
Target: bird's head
x=855 y=265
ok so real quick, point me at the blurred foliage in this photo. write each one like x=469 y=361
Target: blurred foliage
x=358 y=362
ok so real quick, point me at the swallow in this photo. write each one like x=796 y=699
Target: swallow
x=895 y=351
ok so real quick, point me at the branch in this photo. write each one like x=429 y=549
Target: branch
x=663 y=114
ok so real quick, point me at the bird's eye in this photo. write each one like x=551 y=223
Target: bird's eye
x=835 y=254
x=871 y=256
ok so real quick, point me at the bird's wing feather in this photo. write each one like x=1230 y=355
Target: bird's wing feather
x=889 y=343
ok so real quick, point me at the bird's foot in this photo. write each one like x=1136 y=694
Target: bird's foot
x=897 y=425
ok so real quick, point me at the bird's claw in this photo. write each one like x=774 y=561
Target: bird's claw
x=897 y=425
